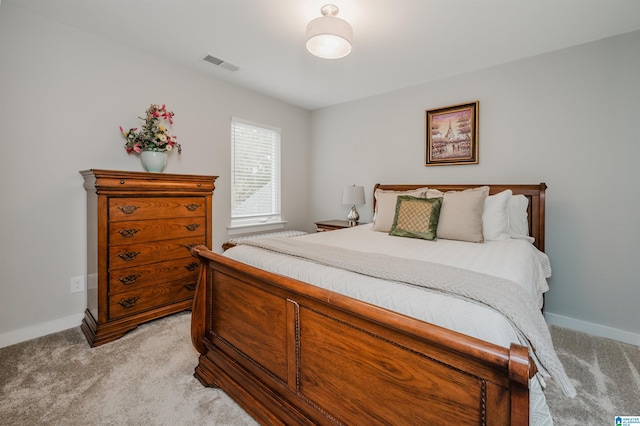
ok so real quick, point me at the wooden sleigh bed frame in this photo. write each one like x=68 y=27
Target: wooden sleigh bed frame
x=292 y=353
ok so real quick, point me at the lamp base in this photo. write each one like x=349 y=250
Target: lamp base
x=353 y=216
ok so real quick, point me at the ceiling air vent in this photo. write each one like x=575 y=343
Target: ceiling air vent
x=220 y=63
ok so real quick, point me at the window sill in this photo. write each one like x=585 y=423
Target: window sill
x=253 y=228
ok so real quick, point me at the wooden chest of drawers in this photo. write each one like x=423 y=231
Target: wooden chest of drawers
x=140 y=231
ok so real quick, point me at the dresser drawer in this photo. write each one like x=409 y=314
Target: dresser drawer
x=146 y=298
x=135 y=231
x=132 y=255
x=138 y=208
x=123 y=280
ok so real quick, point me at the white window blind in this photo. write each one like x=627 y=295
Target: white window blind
x=255 y=173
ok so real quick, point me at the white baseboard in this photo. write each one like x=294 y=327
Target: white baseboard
x=39 y=330
x=594 y=329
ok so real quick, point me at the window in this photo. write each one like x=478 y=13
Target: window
x=255 y=176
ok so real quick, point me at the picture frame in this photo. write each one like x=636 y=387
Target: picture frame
x=451 y=135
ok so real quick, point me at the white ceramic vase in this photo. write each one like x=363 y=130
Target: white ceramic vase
x=153 y=161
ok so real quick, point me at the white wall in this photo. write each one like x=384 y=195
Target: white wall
x=63 y=94
x=567 y=118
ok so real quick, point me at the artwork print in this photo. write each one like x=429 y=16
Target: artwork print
x=452 y=135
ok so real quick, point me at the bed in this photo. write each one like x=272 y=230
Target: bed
x=308 y=330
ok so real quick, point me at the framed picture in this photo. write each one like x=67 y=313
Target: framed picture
x=451 y=135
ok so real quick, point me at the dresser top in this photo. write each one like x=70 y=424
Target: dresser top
x=110 y=180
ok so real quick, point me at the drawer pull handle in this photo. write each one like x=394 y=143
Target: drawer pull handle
x=128 y=209
x=192 y=226
x=128 y=303
x=192 y=266
x=189 y=247
x=129 y=279
x=128 y=233
x=190 y=286
x=192 y=207
x=128 y=256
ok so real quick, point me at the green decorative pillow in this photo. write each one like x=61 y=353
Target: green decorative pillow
x=386 y=207
x=416 y=217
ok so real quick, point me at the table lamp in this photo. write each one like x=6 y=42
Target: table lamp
x=353 y=195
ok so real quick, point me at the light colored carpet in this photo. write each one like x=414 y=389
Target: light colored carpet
x=606 y=375
x=146 y=378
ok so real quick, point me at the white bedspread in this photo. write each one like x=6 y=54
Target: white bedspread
x=515 y=260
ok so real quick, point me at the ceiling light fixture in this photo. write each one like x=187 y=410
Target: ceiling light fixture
x=328 y=36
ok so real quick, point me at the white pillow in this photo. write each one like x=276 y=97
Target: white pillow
x=461 y=214
x=518 y=218
x=386 y=207
x=495 y=217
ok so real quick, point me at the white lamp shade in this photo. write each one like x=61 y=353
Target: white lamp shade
x=329 y=37
x=353 y=195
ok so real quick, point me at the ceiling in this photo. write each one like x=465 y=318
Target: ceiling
x=397 y=43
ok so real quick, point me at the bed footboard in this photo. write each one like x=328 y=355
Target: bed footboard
x=292 y=353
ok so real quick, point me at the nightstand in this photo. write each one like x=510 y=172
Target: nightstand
x=332 y=225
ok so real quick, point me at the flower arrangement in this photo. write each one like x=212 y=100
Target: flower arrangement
x=153 y=136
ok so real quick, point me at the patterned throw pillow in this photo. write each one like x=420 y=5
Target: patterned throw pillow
x=416 y=217
x=386 y=201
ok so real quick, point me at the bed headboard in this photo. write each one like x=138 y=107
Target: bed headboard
x=534 y=193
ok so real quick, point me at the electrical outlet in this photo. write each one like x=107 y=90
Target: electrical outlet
x=77 y=284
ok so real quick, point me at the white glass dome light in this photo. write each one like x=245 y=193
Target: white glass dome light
x=328 y=36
